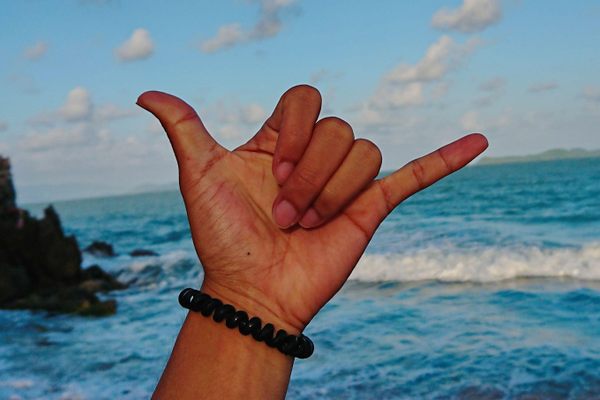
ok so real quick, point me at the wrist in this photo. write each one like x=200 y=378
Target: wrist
x=210 y=361
x=255 y=304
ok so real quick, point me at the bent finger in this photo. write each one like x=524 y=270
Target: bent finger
x=293 y=119
x=358 y=170
x=331 y=141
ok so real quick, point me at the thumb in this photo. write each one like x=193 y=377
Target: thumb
x=190 y=140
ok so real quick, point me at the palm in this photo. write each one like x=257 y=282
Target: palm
x=304 y=267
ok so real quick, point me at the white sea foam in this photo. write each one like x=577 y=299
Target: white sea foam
x=485 y=265
x=447 y=264
x=158 y=271
x=18 y=383
x=167 y=261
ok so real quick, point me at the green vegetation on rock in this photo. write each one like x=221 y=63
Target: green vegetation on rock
x=550 y=155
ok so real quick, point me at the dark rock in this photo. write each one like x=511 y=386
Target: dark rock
x=96 y=277
x=143 y=253
x=7 y=189
x=66 y=300
x=99 y=248
x=40 y=267
x=61 y=254
x=14 y=282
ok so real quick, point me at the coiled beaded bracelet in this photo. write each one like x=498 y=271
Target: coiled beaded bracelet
x=298 y=346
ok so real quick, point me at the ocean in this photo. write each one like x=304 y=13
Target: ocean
x=485 y=286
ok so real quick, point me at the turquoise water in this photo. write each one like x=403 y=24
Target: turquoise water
x=486 y=286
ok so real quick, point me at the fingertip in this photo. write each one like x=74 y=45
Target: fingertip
x=479 y=140
x=283 y=170
x=285 y=214
x=310 y=219
x=146 y=99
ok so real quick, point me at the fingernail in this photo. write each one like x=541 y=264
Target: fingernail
x=283 y=171
x=285 y=214
x=310 y=219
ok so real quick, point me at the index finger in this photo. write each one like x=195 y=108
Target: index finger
x=294 y=118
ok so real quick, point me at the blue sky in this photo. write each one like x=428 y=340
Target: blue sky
x=408 y=75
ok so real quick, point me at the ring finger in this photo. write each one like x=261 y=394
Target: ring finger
x=359 y=168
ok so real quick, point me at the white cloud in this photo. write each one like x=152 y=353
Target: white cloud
x=109 y=112
x=227 y=36
x=84 y=159
x=439 y=90
x=235 y=120
x=78 y=105
x=36 y=51
x=440 y=57
x=542 y=87
x=24 y=83
x=60 y=137
x=390 y=110
x=154 y=127
x=390 y=95
x=138 y=47
x=412 y=84
x=470 y=122
x=591 y=93
x=3 y=126
x=493 y=89
x=268 y=25
x=493 y=85
x=323 y=75
x=471 y=16
x=253 y=114
x=77 y=123
x=485 y=101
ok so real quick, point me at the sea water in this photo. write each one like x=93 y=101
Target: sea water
x=485 y=286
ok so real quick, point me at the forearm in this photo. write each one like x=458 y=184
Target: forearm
x=211 y=361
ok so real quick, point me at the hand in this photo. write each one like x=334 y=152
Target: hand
x=280 y=222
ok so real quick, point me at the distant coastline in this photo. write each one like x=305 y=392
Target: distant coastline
x=549 y=155
x=36 y=195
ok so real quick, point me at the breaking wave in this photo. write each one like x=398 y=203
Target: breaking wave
x=446 y=265
x=484 y=265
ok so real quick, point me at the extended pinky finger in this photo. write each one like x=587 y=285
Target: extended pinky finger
x=357 y=171
x=425 y=171
x=375 y=203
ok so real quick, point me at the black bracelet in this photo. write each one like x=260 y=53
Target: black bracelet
x=296 y=346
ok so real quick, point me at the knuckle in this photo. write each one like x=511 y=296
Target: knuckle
x=305 y=93
x=444 y=160
x=336 y=127
x=387 y=195
x=188 y=116
x=369 y=151
x=326 y=203
x=307 y=177
x=418 y=173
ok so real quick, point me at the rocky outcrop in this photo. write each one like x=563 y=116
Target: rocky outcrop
x=99 y=248
x=7 y=189
x=143 y=253
x=40 y=267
